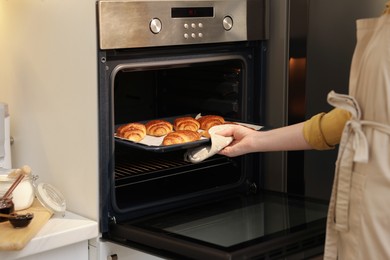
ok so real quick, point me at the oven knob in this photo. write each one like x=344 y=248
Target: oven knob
x=227 y=23
x=155 y=25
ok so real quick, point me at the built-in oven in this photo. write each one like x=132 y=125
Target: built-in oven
x=169 y=59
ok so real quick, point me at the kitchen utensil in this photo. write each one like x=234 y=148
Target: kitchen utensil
x=13 y=186
x=18 y=220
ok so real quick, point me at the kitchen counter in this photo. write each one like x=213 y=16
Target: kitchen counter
x=59 y=232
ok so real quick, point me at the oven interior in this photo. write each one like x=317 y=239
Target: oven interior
x=207 y=88
x=138 y=88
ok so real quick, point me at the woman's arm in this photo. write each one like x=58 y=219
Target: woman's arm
x=247 y=140
x=323 y=131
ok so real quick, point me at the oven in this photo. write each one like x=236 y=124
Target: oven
x=168 y=59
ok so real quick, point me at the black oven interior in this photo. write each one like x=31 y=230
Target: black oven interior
x=137 y=87
x=214 y=87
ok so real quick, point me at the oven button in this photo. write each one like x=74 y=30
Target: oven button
x=193 y=25
x=200 y=35
x=227 y=23
x=186 y=26
x=193 y=35
x=155 y=25
x=186 y=36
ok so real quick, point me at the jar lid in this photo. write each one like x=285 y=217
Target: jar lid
x=51 y=198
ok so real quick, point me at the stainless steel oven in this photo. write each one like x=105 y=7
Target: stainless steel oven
x=164 y=59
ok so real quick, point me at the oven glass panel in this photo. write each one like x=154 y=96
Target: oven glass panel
x=237 y=222
x=226 y=227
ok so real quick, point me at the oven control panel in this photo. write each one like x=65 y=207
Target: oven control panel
x=148 y=23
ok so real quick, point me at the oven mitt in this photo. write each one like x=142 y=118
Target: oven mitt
x=218 y=142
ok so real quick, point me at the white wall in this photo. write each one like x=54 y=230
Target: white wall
x=48 y=76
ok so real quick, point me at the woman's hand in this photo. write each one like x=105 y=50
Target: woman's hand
x=247 y=140
x=244 y=140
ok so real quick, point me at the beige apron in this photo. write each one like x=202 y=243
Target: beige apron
x=359 y=210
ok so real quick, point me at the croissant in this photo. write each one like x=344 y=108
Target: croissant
x=206 y=122
x=133 y=131
x=158 y=127
x=180 y=136
x=186 y=123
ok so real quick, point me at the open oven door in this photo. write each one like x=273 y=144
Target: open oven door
x=267 y=225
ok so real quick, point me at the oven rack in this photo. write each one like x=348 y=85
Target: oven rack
x=133 y=172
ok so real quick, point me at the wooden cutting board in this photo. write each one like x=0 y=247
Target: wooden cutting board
x=16 y=238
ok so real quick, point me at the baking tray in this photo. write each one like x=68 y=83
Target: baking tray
x=162 y=148
x=152 y=143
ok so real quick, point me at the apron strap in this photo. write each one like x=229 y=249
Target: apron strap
x=346 y=102
x=360 y=144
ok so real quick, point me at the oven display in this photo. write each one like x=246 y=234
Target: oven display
x=185 y=12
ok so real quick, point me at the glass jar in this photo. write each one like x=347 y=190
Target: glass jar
x=23 y=195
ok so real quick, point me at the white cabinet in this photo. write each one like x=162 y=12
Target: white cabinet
x=77 y=251
x=109 y=251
